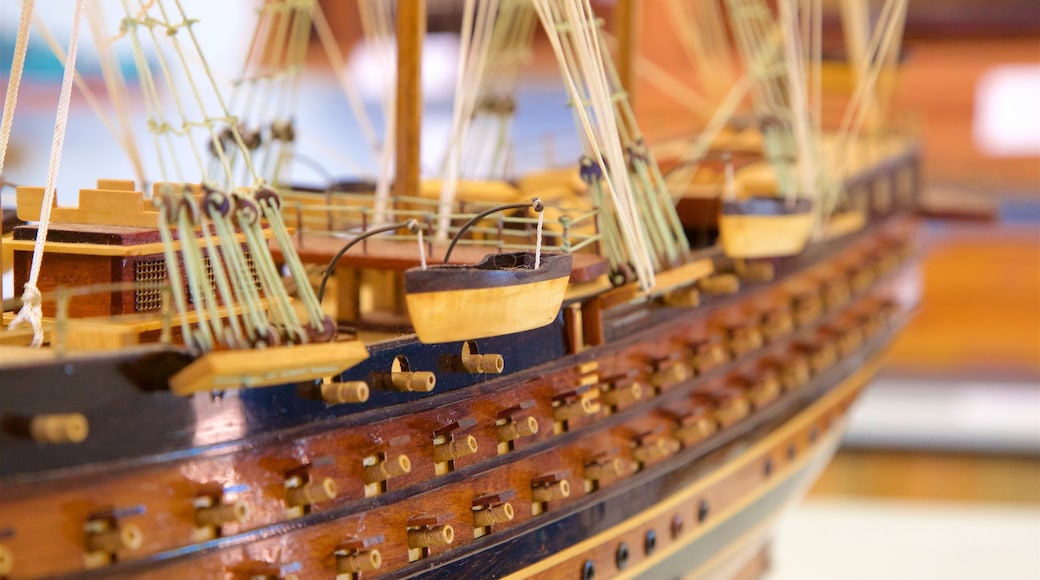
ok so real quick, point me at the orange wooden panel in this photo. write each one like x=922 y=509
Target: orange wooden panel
x=981 y=304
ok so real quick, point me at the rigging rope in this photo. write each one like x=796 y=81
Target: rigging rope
x=115 y=85
x=339 y=69
x=376 y=22
x=31 y=311
x=123 y=138
x=489 y=148
x=169 y=208
x=224 y=268
x=477 y=26
x=612 y=144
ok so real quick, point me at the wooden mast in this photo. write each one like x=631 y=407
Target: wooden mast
x=411 y=28
x=625 y=24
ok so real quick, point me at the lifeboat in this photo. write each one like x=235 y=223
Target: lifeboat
x=765 y=227
x=503 y=294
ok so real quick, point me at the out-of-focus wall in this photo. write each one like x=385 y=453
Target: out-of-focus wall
x=952 y=49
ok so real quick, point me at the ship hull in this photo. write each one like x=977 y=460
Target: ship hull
x=710 y=512
x=254 y=445
x=728 y=469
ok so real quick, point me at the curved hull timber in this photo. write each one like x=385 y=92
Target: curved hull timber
x=711 y=514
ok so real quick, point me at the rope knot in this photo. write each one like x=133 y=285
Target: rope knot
x=31 y=312
x=32 y=296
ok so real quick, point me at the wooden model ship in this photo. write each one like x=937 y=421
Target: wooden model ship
x=578 y=394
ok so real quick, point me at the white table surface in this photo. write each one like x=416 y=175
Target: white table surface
x=853 y=539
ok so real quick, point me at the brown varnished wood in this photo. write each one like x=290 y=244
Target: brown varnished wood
x=812 y=433
x=920 y=475
x=973 y=274
x=91 y=254
x=167 y=519
x=69 y=270
x=411 y=29
x=626 y=27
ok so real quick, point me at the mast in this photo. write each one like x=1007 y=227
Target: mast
x=411 y=28
x=625 y=30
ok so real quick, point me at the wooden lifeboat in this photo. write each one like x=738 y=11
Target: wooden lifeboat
x=502 y=294
x=762 y=227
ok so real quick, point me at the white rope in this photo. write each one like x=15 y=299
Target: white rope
x=212 y=84
x=128 y=146
x=798 y=102
x=538 y=241
x=422 y=249
x=280 y=307
x=339 y=69
x=884 y=43
x=171 y=84
x=153 y=103
x=234 y=335
x=31 y=311
x=116 y=88
x=279 y=75
x=377 y=25
x=477 y=26
x=292 y=259
x=602 y=136
x=14 y=81
x=198 y=286
x=166 y=200
x=489 y=145
x=247 y=295
x=753 y=25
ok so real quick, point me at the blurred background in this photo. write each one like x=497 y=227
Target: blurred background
x=939 y=475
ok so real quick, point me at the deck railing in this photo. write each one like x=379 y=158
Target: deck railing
x=564 y=230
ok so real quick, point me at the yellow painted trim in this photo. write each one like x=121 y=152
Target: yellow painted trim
x=828 y=443
x=664 y=281
x=587 y=289
x=92 y=249
x=843 y=224
x=684 y=275
x=232 y=369
x=800 y=421
x=149 y=249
